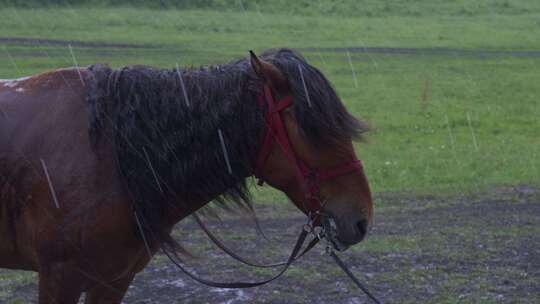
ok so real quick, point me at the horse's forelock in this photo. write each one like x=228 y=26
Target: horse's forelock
x=320 y=113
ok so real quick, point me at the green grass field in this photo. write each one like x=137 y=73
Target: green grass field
x=443 y=121
x=456 y=113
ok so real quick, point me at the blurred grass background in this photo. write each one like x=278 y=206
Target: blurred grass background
x=454 y=102
x=457 y=113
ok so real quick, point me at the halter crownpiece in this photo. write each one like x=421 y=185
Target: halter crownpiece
x=309 y=179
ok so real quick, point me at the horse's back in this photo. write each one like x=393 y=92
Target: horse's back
x=43 y=116
x=30 y=106
x=50 y=173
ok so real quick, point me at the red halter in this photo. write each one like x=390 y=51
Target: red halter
x=308 y=178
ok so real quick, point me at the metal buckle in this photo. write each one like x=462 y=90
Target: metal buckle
x=318 y=232
x=308 y=226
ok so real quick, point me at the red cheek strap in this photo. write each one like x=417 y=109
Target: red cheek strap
x=308 y=179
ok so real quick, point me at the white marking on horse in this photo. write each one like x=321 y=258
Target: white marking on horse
x=11 y=83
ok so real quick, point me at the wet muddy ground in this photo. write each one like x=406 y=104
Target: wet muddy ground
x=476 y=248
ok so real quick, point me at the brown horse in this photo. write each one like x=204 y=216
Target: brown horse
x=95 y=162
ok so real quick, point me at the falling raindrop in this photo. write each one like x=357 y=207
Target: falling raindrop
x=183 y=86
x=12 y=60
x=76 y=64
x=153 y=171
x=304 y=84
x=49 y=182
x=142 y=234
x=225 y=153
x=353 y=71
x=451 y=135
x=472 y=132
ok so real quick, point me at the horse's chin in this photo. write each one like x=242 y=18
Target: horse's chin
x=331 y=234
x=339 y=245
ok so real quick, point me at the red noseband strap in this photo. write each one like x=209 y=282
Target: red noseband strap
x=308 y=179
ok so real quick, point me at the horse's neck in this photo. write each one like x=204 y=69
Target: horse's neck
x=231 y=142
x=211 y=152
x=172 y=214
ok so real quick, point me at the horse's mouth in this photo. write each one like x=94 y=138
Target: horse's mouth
x=331 y=234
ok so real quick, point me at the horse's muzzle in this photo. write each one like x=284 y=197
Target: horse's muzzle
x=342 y=235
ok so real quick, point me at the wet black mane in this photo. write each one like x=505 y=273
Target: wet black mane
x=169 y=147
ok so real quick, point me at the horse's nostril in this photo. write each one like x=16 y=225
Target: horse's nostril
x=362 y=227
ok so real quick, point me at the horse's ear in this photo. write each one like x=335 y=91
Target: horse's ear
x=267 y=72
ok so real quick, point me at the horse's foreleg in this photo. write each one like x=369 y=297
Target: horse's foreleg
x=59 y=285
x=108 y=292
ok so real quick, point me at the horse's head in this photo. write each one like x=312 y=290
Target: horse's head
x=317 y=168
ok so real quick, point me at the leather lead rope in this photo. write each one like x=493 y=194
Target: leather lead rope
x=292 y=257
x=313 y=242
x=241 y=259
x=351 y=275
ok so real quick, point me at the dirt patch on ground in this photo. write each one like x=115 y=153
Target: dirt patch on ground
x=373 y=50
x=477 y=248
x=429 y=51
x=76 y=43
